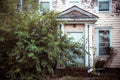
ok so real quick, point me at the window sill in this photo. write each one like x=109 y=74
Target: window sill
x=104 y=12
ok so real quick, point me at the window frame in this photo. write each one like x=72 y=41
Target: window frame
x=50 y=5
x=110 y=6
x=41 y=6
x=97 y=40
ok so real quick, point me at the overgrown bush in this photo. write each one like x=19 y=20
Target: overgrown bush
x=31 y=45
x=100 y=64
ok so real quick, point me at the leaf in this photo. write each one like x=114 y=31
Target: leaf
x=19 y=43
x=18 y=56
x=2 y=39
x=20 y=60
x=32 y=47
x=17 y=70
x=32 y=41
x=50 y=69
x=60 y=61
x=44 y=63
x=38 y=68
x=30 y=54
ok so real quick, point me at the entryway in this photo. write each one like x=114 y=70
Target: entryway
x=78 y=22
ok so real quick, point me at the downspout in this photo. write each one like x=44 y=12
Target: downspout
x=88 y=48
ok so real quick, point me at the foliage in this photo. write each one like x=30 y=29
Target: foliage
x=31 y=45
x=76 y=72
x=72 y=78
x=99 y=63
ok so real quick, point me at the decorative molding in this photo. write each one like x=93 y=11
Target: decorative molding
x=77 y=14
x=78 y=10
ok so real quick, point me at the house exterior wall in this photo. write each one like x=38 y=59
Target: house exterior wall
x=107 y=20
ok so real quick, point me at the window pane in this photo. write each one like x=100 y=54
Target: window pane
x=104 y=6
x=45 y=6
x=77 y=36
x=104 y=50
x=104 y=36
x=104 y=42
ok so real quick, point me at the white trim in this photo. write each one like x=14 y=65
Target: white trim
x=90 y=45
x=50 y=4
x=97 y=42
x=77 y=9
x=82 y=19
x=77 y=22
x=110 y=37
x=110 y=6
x=89 y=57
x=86 y=45
x=62 y=29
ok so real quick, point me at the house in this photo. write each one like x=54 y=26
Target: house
x=97 y=20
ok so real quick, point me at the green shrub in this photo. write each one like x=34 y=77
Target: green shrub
x=31 y=45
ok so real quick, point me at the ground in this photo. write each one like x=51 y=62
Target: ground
x=109 y=74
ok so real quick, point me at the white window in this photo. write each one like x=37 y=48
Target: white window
x=104 y=5
x=45 y=6
x=104 y=41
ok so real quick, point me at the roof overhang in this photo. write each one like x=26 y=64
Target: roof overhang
x=76 y=14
